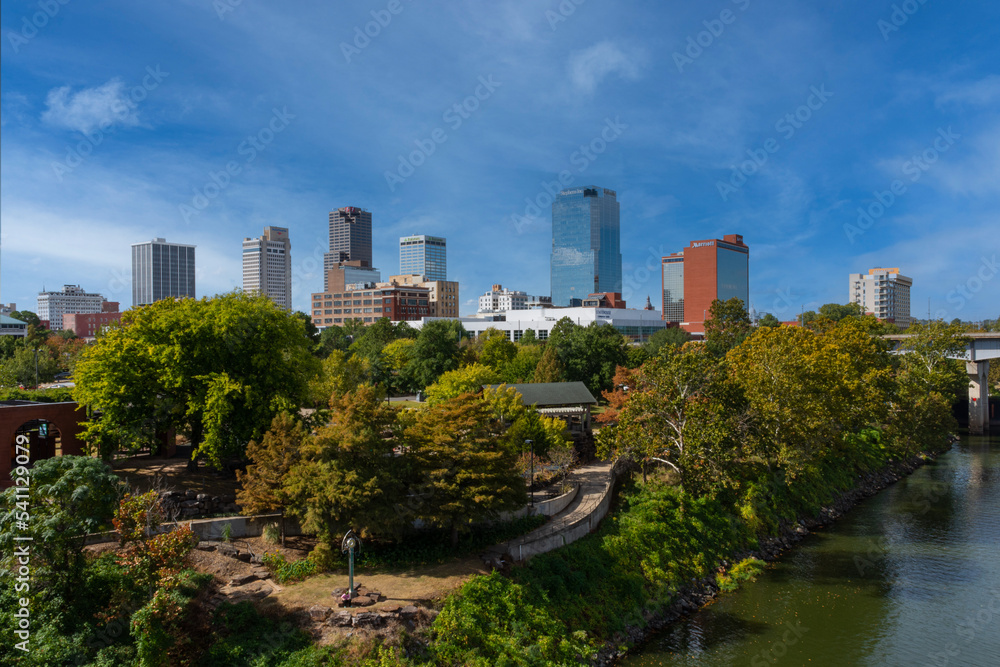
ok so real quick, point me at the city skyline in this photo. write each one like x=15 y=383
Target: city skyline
x=828 y=140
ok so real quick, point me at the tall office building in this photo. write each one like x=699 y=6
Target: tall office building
x=267 y=266
x=423 y=256
x=586 y=244
x=701 y=273
x=71 y=300
x=161 y=270
x=350 y=237
x=885 y=293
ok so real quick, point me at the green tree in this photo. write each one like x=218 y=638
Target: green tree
x=673 y=336
x=497 y=350
x=219 y=369
x=727 y=326
x=27 y=317
x=70 y=496
x=928 y=356
x=590 y=354
x=348 y=474
x=522 y=367
x=339 y=373
x=375 y=337
x=769 y=320
x=435 y=352
x=465 y=380
x=332 y=338
x=262 y=483
x=837 y=312
x=549 y=369
x=22 y=365
x=465 y=475
x=529 y=337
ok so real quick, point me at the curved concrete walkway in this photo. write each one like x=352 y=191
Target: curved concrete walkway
x=579 y=518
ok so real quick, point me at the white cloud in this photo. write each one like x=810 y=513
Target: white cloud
x=105 y=105
x=587 y=68
x=978 y=93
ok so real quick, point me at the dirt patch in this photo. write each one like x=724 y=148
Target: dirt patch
x=146 y=472
x=423 y=587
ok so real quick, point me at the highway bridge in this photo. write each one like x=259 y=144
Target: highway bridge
x=982 y=348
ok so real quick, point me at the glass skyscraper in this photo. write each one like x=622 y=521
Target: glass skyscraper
x=423 y=256
x=586 y=244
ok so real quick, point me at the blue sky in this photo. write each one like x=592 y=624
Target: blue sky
x=777 y=121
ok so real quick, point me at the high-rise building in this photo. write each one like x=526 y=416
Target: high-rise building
x=701 y=273
x=586 y=244
x=885 y=293
x=72 y=299
x=350 y=237
x=267 y=266
x=423 y=256
x=161 y=270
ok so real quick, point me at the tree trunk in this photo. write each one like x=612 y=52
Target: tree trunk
x=282 y=520
x=196 y=434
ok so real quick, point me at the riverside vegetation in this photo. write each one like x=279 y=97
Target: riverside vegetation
x=730 y=441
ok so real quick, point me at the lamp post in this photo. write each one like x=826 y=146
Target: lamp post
x=349 y=544
x=36 y=368
x=531 y=496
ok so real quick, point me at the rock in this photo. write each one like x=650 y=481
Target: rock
x=262 y=573
x=342 y=619
x=202 y=497
x=362 y=601
x=205 y=546
x=243 y=556
x=242 y=580
x=409 y=611
x=189 y=511
x=189 y=503
x=319 y=612
x=368 y=619
x=190 y=494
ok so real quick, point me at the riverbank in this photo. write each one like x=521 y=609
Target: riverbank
x=690 y=599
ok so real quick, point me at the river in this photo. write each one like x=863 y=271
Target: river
x=910 y=576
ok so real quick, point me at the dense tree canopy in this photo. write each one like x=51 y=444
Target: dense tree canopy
x=217 y=369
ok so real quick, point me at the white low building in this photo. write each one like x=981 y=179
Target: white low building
x=635 y=325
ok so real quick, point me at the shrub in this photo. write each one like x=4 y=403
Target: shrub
x=742 y=572
x=272 y=533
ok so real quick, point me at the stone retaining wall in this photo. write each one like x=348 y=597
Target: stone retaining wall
x=183 y=504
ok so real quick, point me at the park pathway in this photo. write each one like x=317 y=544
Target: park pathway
x=579 y=518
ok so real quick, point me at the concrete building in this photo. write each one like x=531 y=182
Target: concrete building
x=885 y=293
x=500 y=299
x=72 y=299
x=424 y=256
x=267 y=266
x=161 y=270
x=7 y=308
x=586 y=244
x=349 y=273
x=443 y=294
x=90 y=324
x=369 y=302
x=11 y=327
x=635 y=325
x=350 y=237
x=707 y=270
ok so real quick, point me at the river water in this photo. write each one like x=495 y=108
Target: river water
x=910 y=576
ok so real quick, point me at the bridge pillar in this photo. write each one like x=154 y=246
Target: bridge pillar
x=979 y=396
